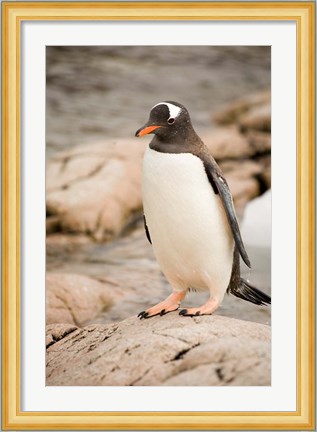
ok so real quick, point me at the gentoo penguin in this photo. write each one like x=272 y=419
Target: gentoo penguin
x=189 y=216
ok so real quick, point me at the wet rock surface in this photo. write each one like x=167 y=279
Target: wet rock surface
x=177 y=351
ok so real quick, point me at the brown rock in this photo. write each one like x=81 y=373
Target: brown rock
x=258 y=118
x=244 y=190
x=56 y=332
x=52 y=224
x=95 y=189
x=231 y=113
x=71 y=167
x=230 y=143
x=260 y=142
x=70 y=243
x=242 y=178
x=227 y=143
x=265 y=176
x=242 y=169
x=169 y=350
x=74 y=299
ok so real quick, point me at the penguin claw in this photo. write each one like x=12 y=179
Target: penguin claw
x=144 y=314
x=207 y=309
x=170 y=304
x=184 y=312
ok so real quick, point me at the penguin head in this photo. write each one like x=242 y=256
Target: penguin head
x=166 y=120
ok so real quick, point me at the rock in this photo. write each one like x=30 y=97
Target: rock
x=227 y=143
x=244 y=190
x=245 y=159
x=258 y=118
x=70 y=243
x=95 y=189
x=56 y=332
x=230 y=143
x=52 y=224
x=169 y=350
x=243 y=180
x=260 y=142
x=75 y=299
x=264 y=177
x=233 y=112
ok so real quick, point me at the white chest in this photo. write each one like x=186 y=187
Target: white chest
x=190 y=234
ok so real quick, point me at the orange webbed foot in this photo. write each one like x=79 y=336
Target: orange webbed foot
x=170 y=304
x=207 y=309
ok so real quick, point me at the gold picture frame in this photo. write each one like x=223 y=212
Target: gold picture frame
x=13 y=14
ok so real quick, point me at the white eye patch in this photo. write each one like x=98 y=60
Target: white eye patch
x=173 y=110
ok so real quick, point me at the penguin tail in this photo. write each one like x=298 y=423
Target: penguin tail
x=247 y=292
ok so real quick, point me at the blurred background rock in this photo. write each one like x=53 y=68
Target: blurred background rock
x=96 y=99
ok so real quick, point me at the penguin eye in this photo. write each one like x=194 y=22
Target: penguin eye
x=170 y=120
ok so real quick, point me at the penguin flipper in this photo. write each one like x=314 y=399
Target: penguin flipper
x=220 y=186
x=147 y=230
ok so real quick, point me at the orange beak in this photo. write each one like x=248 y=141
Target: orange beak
x=144 y=131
